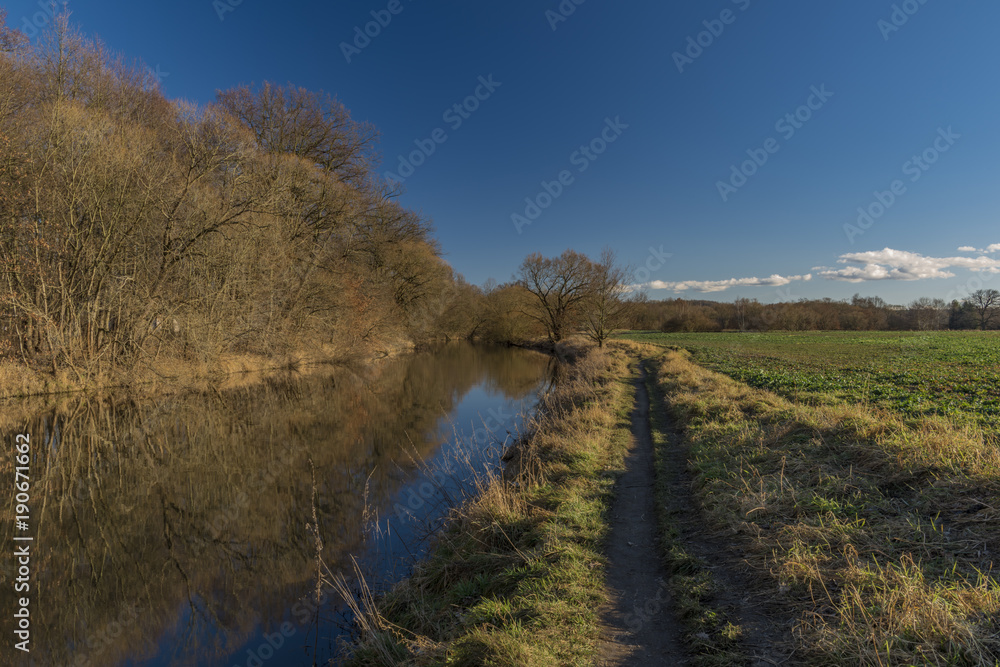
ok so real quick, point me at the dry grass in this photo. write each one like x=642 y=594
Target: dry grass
x=880 y=533
x=19 y=380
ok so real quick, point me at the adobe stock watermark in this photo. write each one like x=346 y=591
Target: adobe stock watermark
x=223 y=7
x=786 y=126
x=363 y=35
x=768 y=317
x=22 y=542
x=581 y=158
x=495 y=422
x=156 y=75
x=33 y=25
x=714 y=28
x=224 y=516
x=643 y=614
x=87 y=652
x=562 y=13
x=900 y=16
x=430 y=492
x=304 y=612
x=455 y=116
x=915 y=168
x=654 y=262
x=976 y=283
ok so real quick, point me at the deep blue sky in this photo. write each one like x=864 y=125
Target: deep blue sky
x=657 y=184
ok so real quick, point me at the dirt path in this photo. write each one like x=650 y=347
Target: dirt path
x=638 y=624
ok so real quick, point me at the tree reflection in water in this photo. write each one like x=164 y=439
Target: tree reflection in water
x=173 y=532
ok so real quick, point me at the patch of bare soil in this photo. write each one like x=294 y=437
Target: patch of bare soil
x=638 y=623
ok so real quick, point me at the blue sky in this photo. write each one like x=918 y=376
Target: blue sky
x=887 y=82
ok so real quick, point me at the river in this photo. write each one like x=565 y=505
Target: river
x=181 y=531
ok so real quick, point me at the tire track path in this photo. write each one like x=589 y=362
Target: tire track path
x=638 y=625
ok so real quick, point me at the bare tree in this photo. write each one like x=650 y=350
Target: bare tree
x=742 y=317
x=929 y=314
x=499 y=306
x=11 y=39
x=561 y=287
x=610 y=306
x=985 y=303
x=311 y=125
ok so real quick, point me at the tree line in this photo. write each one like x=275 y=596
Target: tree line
x=133 y=226
x=979 y=310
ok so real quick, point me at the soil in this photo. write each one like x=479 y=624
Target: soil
x=638 y=623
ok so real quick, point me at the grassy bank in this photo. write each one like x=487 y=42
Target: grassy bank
x=517 y=577
x=876 y=531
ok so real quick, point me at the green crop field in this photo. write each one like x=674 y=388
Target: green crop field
x=956 y=374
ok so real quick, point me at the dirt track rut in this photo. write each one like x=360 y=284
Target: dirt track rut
x=639 y=626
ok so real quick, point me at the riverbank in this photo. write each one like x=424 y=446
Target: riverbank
x=171 y=374
x=518 y=576
x=586 y=551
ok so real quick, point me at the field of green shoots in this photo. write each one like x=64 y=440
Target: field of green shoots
x=956 y=374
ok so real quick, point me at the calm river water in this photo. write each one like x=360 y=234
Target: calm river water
x=177 y=532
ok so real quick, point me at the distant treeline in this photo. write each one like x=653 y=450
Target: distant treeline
x=133 y=226
x=978 y=311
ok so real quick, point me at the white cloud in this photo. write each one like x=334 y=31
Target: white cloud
x=991 y=248
x=707 y=286
x=889 y=264
x=874 y=265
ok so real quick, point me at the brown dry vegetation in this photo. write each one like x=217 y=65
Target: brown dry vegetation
x=142 y=237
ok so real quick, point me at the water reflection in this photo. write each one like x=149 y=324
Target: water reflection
x=174 y=532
